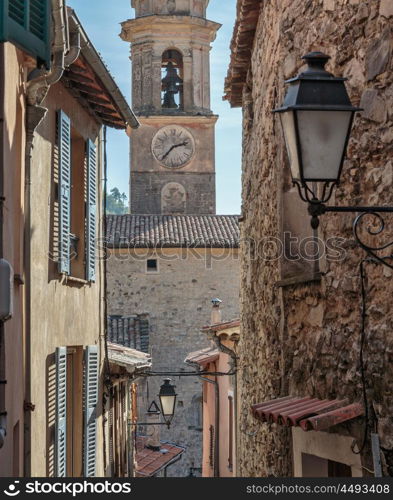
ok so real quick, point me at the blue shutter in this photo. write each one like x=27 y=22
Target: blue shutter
x=91 y=216
x=61 y=412
x=64 y=142
x=27 y=24
x=90 y=411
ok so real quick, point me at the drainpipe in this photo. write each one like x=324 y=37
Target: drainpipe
x=37 y=88
x=3 y=426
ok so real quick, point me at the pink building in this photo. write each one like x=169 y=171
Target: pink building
x=217 y=365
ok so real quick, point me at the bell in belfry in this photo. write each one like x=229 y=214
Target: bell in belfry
x=171 y=85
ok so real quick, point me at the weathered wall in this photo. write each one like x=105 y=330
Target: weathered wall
x=178 y=302
x=304 y=339
x=12 y=149
x=62 y=313
x=225 y=389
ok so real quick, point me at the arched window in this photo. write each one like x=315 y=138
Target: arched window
x=196 y=412
x=172 y=79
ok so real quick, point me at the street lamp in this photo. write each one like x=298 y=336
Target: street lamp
x=167 y=396
x=317 y=117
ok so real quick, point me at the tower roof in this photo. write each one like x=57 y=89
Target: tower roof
x=172 y=231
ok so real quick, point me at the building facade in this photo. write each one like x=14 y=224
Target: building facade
x=220 y=398
x=302 y=322
x=170 y=267
x=52 y=350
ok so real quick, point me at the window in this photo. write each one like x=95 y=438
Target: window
x=26 y=23
x=77 y=194
x=196 y=413
x=324 y=454
x=76 y=412
x=152 y=266
x=314 y=466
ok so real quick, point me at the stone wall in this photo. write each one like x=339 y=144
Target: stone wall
x=195 y=193
x=177 y=299
x=304 y=339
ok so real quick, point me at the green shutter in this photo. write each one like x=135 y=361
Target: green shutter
x=90 y=411
x=91 y=216
x=61 y=412
x=64 y=143
x=27 y=24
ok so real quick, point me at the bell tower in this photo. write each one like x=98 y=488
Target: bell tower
x=172 y=153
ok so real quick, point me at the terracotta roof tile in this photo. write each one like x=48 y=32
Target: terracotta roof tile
x=203 y=356
x=150 y=462
x=307 y=413
x=152 y=231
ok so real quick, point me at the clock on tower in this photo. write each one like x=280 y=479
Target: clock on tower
x=172 y=153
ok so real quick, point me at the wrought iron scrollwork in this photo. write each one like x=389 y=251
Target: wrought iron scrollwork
x=373 y=230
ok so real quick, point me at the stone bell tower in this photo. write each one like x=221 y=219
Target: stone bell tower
x=172 y=153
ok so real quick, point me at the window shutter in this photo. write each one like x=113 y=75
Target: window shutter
x=27 y=24
x=61 y=411
x=91 y=211
x=90 y=411
x=64 y=140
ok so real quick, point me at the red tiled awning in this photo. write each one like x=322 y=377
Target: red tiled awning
x=151 y=462
x=307 y=413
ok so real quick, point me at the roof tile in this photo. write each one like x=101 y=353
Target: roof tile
x=152 y=231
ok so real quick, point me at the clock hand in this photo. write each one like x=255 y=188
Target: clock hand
x=173 y=147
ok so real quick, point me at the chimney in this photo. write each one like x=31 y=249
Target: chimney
x=153 y=416
x=216 y=312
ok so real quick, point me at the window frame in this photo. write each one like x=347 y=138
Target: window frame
x=152 y=271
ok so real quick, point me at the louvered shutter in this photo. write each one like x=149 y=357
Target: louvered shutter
x=61 y=412
x=90 y=411
x=64 y=142
x=91 y=211
x=27 y=24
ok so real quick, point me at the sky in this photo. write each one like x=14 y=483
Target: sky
x=101 y=20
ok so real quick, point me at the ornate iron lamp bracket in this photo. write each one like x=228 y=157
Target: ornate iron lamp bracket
x=317 y=208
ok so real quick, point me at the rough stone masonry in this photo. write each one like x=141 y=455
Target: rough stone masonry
x=304 y=338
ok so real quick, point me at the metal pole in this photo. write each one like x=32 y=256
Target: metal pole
x=376 y=450
x=3 y=413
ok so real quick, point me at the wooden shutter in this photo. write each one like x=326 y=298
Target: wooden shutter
x=61 y=412
x=64 y=140
x=90 y=411
x=211 y=446
x=27 y=24
x=91 y=211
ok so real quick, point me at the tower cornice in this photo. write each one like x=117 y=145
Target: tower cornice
x=157 y=27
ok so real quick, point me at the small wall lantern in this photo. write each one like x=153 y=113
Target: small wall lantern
x=167 y=398
x=316 y=117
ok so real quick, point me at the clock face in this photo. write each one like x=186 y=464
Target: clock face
x=173 y=146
